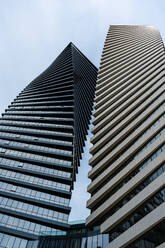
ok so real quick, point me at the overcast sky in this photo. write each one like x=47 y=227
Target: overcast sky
x=34 y=32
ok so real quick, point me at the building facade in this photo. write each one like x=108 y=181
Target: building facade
x=77 y=236
x=128 y=163
x=42 y=134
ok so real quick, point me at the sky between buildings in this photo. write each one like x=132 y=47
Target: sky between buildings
x=34 y=32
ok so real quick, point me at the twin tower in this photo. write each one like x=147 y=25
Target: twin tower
x=42 y=134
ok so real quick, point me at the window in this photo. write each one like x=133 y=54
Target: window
x=14 y=188
x=20 y=164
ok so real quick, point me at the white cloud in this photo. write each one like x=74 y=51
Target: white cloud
x=80 y=195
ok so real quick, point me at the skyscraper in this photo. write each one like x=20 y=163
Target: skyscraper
x=128 y=164
x=42 y=134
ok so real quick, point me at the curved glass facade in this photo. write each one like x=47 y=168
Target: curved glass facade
x=42 y=134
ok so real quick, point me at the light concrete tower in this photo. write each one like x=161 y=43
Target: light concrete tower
x=128 y=163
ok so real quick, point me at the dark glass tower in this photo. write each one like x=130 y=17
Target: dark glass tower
x=42 y=135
